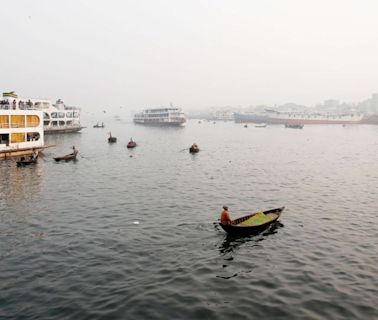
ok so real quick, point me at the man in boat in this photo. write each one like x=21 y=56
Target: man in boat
x=34 y=155
x=225 y=216
x=75 y=152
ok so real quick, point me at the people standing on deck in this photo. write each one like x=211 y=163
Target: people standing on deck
x=225 y=216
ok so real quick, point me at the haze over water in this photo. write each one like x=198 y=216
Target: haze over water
x=132 y=234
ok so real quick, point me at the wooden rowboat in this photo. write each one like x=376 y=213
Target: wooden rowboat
x=131 y=144
x=21 y=163
x=193 y=149
x=253 y=223
x=67 y=157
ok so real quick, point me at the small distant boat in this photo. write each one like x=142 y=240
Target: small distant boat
x=294 y=126
x=260 y=125
x=253 y=223
x=99 y=125
x=131 y=144
x=24 y=162
x=246 y=126
x=111 y=139
x=193 y=148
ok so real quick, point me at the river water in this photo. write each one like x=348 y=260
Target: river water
x=132 y=234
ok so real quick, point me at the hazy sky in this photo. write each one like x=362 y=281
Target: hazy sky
x=194 y=53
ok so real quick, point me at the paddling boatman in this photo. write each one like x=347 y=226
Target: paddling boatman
x=75 y=152
x=34 y=155
x=225 y=216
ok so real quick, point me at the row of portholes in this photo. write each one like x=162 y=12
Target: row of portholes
x=57 y=123
x=55 y=115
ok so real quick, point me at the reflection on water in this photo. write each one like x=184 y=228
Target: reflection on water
x=67 y=237
x=231 y=243
x=20 y=184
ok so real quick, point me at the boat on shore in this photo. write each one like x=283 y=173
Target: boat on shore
x=165 y=117
x=253 y=223
x=57 y=118
x=288 y=117
x=21 y=130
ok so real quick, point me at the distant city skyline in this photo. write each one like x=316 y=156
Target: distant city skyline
x=196 y=54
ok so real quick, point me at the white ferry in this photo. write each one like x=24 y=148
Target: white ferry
x=276 y=117
x=161 y=117
x=58 y=118
x=21 y=130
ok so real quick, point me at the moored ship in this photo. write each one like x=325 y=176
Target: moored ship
x=300 y=118
x=250 y=117
x=161 y=117
x=21 y=131
x=57 y=118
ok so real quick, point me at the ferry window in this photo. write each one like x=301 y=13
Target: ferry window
x=54 y=115
x=4 y=121
x=61 y=123
x=46 y=105
x=69 y=114
x=76 y=115
x=54 y=123
x=33 y=136
x=46 y=115
x=4 y=138
x=69 y=123
x=46 y=123
x=18 y=121
x=61 y=114
x=32 y=121
x=18 y=137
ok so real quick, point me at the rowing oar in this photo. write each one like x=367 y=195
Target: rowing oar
x=83 y=157
x=184 y=149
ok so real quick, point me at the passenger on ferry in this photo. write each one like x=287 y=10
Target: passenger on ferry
x=225 y=216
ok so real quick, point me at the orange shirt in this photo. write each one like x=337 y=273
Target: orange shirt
x=225 y=217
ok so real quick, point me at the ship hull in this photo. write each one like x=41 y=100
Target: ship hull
x=309 y=121
x=160 y=124
x=62 y=130
x=253 y=118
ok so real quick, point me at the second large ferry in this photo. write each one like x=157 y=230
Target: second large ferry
x=161 y=117
x=278 y=117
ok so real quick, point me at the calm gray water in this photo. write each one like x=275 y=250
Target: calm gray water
x=70 y=247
